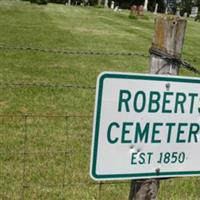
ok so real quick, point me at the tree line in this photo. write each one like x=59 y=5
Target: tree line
x=182 y=5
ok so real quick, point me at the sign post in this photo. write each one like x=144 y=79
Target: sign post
x=145 y=126
x=167 y=42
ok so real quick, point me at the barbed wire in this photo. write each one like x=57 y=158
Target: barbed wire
x=70 y=52
x=47 y=85
x=46 y=115
x=174 y=60
x=169 y=58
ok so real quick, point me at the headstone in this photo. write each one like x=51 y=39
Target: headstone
x=194 y=11
x=116 y=8
x=112 y=5
x=133 y=9
x=138 y=10
x=106 y=4
x=146 y=5
x=166 y=10
x=141 y=10
x=156 y=9
x=178 y=13
x=185 y=15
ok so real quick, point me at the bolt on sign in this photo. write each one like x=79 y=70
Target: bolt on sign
x=145 y=126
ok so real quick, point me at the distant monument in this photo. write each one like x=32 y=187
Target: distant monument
x=112 y=5
x=106 y=4
x=185 y=15
x=138 y=10
x=194 y=11
x=156 y=9
x=146 y=5
x=116 y=8
x=178 y=14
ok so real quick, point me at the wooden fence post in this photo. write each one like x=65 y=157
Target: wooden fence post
x=166 y=49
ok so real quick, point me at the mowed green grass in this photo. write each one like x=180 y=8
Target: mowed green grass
x=56 y=162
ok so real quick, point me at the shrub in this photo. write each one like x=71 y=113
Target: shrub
x=99 y=6
x=133 y=16
x=197 y=18
x=146 y=17
x=44 y=2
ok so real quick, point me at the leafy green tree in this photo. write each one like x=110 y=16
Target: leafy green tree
x=185 y=6
x=152 y=4
x=39 y=1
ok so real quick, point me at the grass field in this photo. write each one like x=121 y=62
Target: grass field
x=45 y=148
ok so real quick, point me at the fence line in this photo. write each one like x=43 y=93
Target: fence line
x=70 y=52
x=47 y=115
x=29 y=155
x=170 y=59
x=25 y=152
x=46 y=85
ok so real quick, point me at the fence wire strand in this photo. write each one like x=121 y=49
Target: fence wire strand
x=46 y=85
x=74 y=133
x=70 y=52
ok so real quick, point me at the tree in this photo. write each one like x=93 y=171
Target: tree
x=161 y=5
x=44 y=2
x=185 y=6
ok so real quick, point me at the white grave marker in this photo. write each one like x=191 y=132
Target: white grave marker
x=194 y=11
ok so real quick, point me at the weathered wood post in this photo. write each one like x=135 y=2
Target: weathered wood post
x=164 y=54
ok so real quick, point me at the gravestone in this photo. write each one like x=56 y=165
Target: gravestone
x=166 y=10
x=106 y=4
x=133 y=9
x=116 y=8
x=112 y=5
x=138 y=10
x=194 y=11
x=185 y=15
x=156 y=9
x=146 y=5
x=178 y=14
x=141 y=10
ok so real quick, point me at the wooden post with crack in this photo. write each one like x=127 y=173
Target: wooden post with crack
x=165 y=51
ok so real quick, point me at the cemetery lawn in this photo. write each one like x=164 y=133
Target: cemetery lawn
x=74 y=29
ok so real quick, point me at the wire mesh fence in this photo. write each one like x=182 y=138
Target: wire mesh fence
x=47 y=157
x=45 y=141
